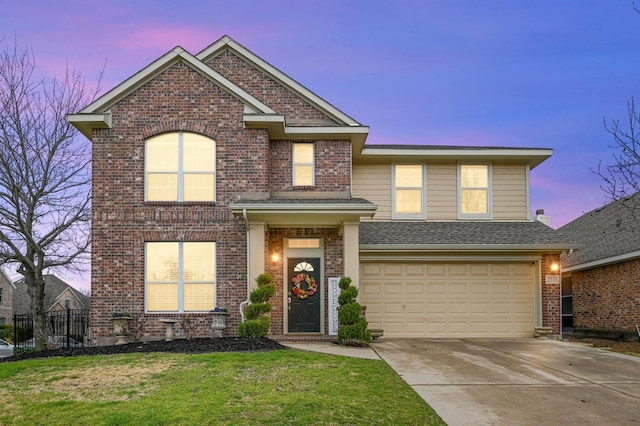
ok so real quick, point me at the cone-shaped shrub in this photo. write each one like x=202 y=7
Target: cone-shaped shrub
x=257 y=321
x=353 y=325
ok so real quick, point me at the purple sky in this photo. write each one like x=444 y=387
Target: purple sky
x=540 y=73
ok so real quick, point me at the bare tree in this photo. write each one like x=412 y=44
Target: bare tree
x=621 y=178
x=45 y=175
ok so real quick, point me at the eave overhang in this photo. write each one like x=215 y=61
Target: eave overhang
x=602 y=262
x=460 y=252
x=299 y=214
x=279 y=130
x=391 y=153
x=97 y=115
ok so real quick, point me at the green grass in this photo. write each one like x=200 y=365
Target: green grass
x=285 y=387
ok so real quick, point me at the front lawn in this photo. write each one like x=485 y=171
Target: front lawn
x=277 y=387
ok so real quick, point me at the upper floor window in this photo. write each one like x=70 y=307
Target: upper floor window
x=180 y=167
x=180 y=276
x=409 y=191
x=303 y=174
x=474 y=193
x=1 y=302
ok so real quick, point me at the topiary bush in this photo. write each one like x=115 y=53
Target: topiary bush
x=257 y=322
x=352 y=328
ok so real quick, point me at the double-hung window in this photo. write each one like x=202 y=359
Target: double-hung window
x=180 y=276
x=474 y=191
x=180 y=167
x=409 y=201
x=303 y=174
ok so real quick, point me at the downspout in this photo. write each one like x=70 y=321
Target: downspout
x=247 y=301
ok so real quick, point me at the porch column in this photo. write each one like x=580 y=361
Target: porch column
x=255 y=252
x=351 y=248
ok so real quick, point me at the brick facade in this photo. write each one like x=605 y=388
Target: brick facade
x=264 y=88
x=551 y=304
x=607 y=298
x=332 y=166
x=178 y=100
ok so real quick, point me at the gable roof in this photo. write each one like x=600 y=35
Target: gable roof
x=227 y=43
x=256 y=115
x=53 y=288
x=608 y=234
x=460 y=236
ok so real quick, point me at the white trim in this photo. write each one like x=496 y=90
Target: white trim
x=475 y=216
x=423 y=197
x=180 y=281
x=603 y=262
x=180 y=171
x=531 y=156
x=227 y=42
x=294 y=164
x=160 y=65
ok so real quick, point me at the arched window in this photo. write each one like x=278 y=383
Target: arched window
x=180 y=167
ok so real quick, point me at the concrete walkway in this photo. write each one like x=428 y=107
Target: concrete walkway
x=518 y=381
x=334 y=349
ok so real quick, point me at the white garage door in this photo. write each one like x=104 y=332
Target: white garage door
x=449 y=300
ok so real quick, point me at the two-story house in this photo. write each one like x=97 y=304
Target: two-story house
x=212 y=169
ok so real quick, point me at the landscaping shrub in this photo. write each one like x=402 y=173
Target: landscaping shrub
x=352 y=324
x=257 y=322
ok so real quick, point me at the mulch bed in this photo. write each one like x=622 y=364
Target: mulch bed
x=224 y=344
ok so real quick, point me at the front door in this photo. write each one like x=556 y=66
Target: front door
x=305 y=282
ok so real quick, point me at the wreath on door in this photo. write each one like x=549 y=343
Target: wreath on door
x=304 y=280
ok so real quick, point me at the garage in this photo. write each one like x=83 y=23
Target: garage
x=457 y=299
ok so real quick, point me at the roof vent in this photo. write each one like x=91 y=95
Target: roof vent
x=541 y=217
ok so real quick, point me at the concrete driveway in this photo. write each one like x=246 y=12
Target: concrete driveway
x=518 y=381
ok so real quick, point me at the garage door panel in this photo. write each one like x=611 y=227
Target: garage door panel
x=458 y=288
x=436 y=288
x=449 y=300
x=415 y=288
x=458 y=270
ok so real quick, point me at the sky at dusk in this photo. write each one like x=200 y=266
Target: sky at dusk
x=516 y=73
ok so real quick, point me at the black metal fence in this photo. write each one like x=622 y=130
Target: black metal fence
x=65 y=329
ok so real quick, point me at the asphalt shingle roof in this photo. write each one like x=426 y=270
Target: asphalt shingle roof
x=609 y=231
x=531 y=233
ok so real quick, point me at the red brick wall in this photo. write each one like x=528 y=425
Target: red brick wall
x=607 y=298
x=551 y=305
x=333 y=267
x=263 y=88
x=332 y=166
x=180 y=99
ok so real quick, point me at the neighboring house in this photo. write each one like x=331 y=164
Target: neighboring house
x=58 y=296
x=209 y=170
x=6 y=298
x=601 y=281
